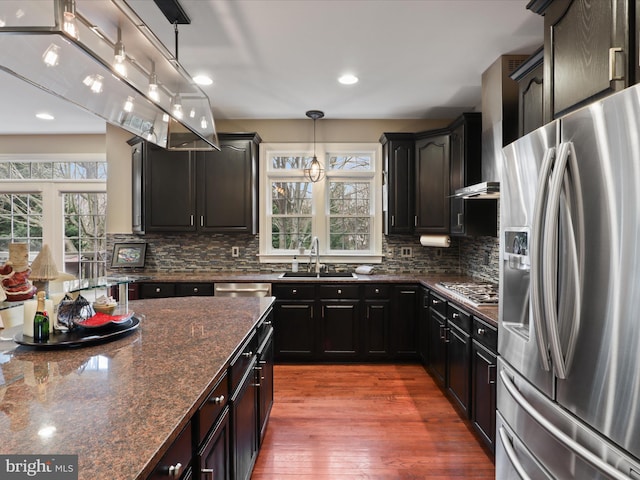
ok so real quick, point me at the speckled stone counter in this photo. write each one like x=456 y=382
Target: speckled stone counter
x=119 y=405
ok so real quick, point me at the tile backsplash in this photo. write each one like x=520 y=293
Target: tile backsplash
x=211 y=253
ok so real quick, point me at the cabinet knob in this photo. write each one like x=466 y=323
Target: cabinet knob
x=175 y=470
x=294 y=291
x=217 y=400
x=455 y=315
x=339 y=291
x=377 y=290
x=435 y=302
x=481 y=331
x=195 y=290
x=157 y=289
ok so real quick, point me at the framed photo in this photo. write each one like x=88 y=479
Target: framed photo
x=128 y=254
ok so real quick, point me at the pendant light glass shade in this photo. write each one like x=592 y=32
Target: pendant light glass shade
x=315 y=170
x=57 y=45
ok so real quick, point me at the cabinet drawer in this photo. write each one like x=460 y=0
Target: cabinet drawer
x=377 y=291
x=242 y=361
x=177 y=459
x=194 y=289
x=339 y=291
x=438 y=303
x=459 y=317
x=485 y=334
x=157 y=290
x=294 y=292
x=212 y=407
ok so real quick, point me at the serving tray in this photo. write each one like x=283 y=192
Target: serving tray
x=81 y=336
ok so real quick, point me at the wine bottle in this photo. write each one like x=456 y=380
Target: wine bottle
x=41 y=321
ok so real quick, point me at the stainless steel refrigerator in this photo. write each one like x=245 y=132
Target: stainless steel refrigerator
x=568 y=390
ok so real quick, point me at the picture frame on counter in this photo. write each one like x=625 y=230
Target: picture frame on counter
x=128 y=255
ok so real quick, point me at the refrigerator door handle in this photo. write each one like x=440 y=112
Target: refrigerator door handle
x=550 y=270
x=594 y=460
x=537 y=259
x=511 y=454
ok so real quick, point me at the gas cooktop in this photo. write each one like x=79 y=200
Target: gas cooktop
x=475 y=293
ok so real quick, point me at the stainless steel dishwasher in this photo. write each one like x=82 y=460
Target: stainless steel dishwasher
x=242 y=289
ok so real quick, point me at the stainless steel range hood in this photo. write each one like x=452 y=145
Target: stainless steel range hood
x=499 y=125
x=99 y=55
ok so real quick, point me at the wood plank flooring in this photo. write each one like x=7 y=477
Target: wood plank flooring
x=343 y=422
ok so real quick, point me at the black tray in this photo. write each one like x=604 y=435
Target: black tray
x=81 y=336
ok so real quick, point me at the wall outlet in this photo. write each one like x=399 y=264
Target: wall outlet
x=235 y=251
x=406 y=252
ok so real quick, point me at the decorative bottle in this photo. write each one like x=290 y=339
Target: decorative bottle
x=41 y=320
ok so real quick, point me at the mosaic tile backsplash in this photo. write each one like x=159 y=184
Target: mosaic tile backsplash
x=211 y=253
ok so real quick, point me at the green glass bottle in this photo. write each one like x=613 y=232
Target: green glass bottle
x=41 y=321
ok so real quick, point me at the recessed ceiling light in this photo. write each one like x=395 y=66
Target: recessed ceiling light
x=45 y=116
x=202 y=80
x=348 y=79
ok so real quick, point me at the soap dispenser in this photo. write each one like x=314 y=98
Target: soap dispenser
x=294 y=264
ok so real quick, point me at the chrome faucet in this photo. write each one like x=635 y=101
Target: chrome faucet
x=315 y=250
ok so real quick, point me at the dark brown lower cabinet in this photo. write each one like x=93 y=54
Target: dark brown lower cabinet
x=458 y=366
x=264 y=372
x=437 y=339
x=244 y=421
x=404 y=324
x=213 y=458
x=483 y=381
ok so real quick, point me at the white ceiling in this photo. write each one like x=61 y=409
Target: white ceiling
x=276 y=59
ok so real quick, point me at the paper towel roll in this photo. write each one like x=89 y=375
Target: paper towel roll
x=435 y=241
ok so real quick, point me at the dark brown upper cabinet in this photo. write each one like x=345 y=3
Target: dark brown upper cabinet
x=398 y=151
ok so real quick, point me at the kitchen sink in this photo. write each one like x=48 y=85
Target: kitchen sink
x=318 y=275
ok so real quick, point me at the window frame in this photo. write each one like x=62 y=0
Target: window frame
x=320 y=198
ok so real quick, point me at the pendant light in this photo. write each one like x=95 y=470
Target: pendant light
x=315 y=171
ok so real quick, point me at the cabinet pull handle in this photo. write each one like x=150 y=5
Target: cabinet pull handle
x=446 y=335
x=481 y=331
x=441 y=329
x=208 y=471
x=217 y=400
x=460 y=219
x=339 y=291
x=435 y=302
x=455 y=315
x=248 y=354
x=267 y=322
x=612 y=64
x=175 y=470
x=191 y=220
x=294 y=291
x=415 y=221
x=393 y=220
x=202 y=220
x=491 y=374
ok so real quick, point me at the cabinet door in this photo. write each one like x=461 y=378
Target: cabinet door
x=582 y=39
x=375 y=329
x=265 y=383
x=423 y=328
x=399 y=157
x=483 y=378
x=137 y=178
x=213 y=458
x=294 y=330
x=432 y=185
x=458 y=367
x=437 y=347
x=170 y=200
x=244 y=421
x=227 y=184
x=339 y=329
x=404 y=325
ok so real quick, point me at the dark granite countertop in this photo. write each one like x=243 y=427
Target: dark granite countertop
x=119 y=405
x=489 y=314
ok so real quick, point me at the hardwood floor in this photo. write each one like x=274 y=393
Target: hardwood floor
x=366 y=422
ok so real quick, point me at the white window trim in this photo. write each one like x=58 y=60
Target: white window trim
x=267 y=254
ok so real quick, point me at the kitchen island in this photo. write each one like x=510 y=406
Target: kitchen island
x=120 y=405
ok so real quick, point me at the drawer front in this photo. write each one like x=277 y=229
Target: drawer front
x=351 y=292
x=177 y=459
x=382 y=292
x=212 y=407
x=459 y=317
x=157 y=290
x=194 y=289
x=242 y=361
x=485 y=334
x=294 y=292
x=438 y=303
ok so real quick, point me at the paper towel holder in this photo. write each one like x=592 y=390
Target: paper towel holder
x=442 y=241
